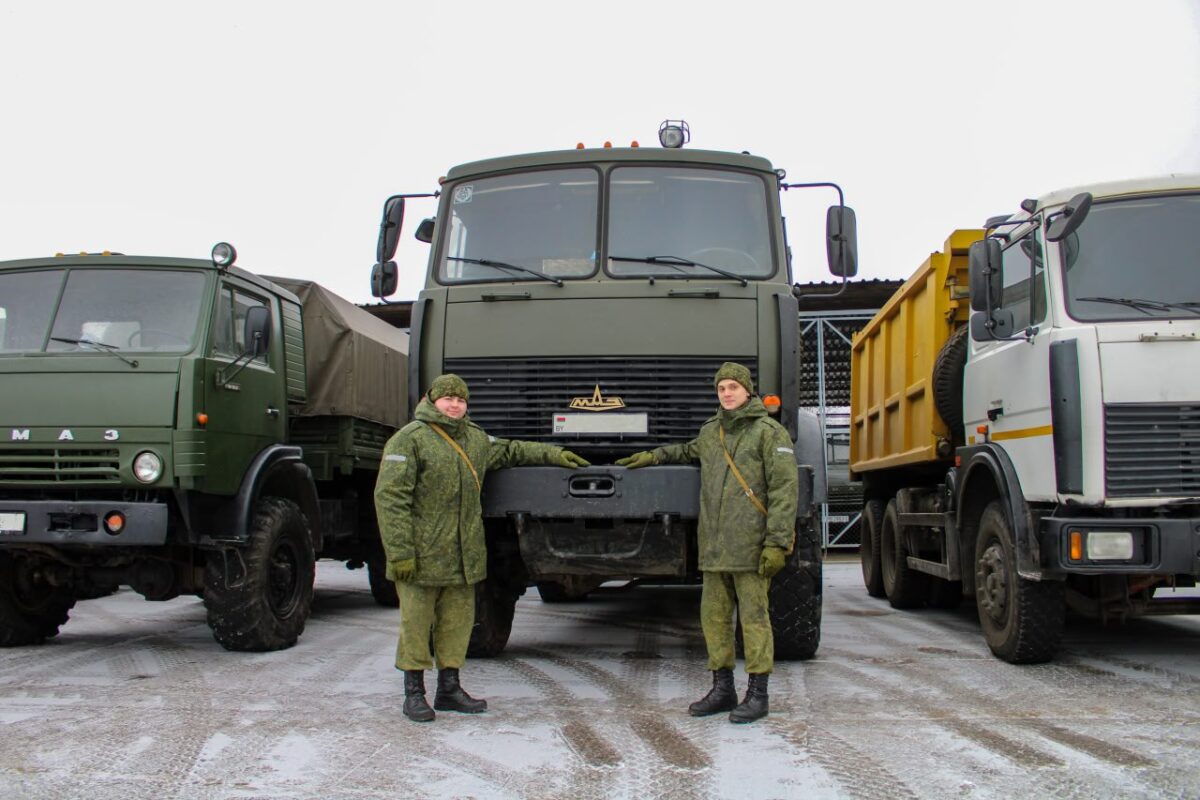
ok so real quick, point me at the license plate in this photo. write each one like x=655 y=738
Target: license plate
x=12 y=523
x=602 y=422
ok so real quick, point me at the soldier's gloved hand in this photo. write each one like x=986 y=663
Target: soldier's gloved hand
x=771 y=561
x=403 y=571
x=637 y=460
x=570 y=460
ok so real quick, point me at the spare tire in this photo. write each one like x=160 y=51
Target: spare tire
x=948 y=382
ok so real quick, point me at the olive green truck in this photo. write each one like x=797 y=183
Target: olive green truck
x=183 y=426
x=588 y=297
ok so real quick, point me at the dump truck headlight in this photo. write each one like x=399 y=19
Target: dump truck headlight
x=1110 y=545
x=147 y=467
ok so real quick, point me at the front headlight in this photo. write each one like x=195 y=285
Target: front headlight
x=147 y=467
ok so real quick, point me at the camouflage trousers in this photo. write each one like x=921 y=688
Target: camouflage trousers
x=747 y=591
x=446 y=611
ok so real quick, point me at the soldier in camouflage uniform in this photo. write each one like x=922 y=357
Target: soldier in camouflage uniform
x=431 y=523
x=744 y=537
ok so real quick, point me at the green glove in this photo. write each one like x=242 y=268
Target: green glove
x=568 y=459
x=771 y=561
x=637 y=460
x=402 y=571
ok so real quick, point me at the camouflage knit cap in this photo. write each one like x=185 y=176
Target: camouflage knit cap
x=448 y=385
x=733 y=371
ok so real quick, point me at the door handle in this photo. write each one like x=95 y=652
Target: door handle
x=272 y=412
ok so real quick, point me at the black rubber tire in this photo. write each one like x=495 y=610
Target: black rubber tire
x=795 y=607
x=383 y=589
x=495 y=605
x=31 y=610
x=948 y=370
x=259 y=597
x=868 y=548
x=944 y=594
x=905 y=587
x=1022 y=620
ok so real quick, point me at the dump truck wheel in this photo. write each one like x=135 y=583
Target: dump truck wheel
x=868 y=548
x=383 y=589
x=795 y=607
x=1022 y=620
x=495 y=605
x=948 y=382
x=258 y=597
x=31 y=609
x=904 y=586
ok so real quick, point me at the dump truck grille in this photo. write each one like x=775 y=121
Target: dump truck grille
x=1152 y=450
x=517 y=398
x=59 y=465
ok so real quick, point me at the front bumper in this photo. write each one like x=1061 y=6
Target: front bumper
x=56 y=522
x=1161 y=546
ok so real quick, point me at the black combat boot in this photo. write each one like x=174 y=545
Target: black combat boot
x=721 y=697
x=451 y=697
x=415 y=707
x=754 y=705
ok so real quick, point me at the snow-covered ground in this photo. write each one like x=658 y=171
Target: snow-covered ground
x=135 y=700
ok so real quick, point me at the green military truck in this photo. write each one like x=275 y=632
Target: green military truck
x=183 y=426
x=588 y=297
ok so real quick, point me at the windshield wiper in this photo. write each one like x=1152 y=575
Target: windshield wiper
x=677 y=262
x=503 y=265
x=103 y=347
x=1141 y=304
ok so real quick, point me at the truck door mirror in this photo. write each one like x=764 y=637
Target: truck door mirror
x=389 y=228
x=383 y=279
x=425 y=231
x=983 y=263
x=1071 y=217
x=998 y=326
x=257 y=330
x=841 y=241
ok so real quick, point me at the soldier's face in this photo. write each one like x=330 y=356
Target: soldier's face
x=452 y=407
x=732 y=394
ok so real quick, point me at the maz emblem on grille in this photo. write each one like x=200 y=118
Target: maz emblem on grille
x=597 y=402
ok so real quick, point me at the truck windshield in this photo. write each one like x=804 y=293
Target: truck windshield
x=717 y=218
x=99 y=310
x=539 y=225
x=1133 y=259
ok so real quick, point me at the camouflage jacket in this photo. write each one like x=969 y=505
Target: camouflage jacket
x=732 y=530
x=427 y=500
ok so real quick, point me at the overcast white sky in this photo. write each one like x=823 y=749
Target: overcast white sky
x=160 y=128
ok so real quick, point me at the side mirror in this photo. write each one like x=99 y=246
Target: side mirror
x=389 y=228
x=383 y=279
x=257 y=330
x=841 y=241
x=998 y=326
x=983 y=263
x=425 y=231
x=1070 y=218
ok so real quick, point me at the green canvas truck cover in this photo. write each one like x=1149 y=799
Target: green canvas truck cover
x=357 y=364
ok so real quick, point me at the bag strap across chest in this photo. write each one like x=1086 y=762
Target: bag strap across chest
x=741 y=481
x=461 y=452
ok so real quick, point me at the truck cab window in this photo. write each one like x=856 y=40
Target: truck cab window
x=714 y=217
x=229 y=337
x=26 y=305
x=1025 y=282
x=515 y=227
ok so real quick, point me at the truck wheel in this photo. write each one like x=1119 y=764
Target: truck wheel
x=795 y=607
x=31 y=610
x=495 y=605
x=948 y=370
x=258 y=597
x=904 y=586
x=383 y=589
x=868 y=548
x=1022 y=620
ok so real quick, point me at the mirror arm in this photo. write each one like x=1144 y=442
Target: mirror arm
x=223 y=379
x=799 y=296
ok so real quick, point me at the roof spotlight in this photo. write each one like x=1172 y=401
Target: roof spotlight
x=674 y=133
x=223 y=255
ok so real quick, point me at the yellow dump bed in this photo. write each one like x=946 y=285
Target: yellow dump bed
x=894 y=421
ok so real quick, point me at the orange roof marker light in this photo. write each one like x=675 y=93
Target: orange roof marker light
x=634 y=143
x=772 y=403
x=579 y=146
x=608 y=144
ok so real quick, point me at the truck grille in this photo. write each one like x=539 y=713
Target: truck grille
x=1152 y=450
x=59 y=466
x=516 y=398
